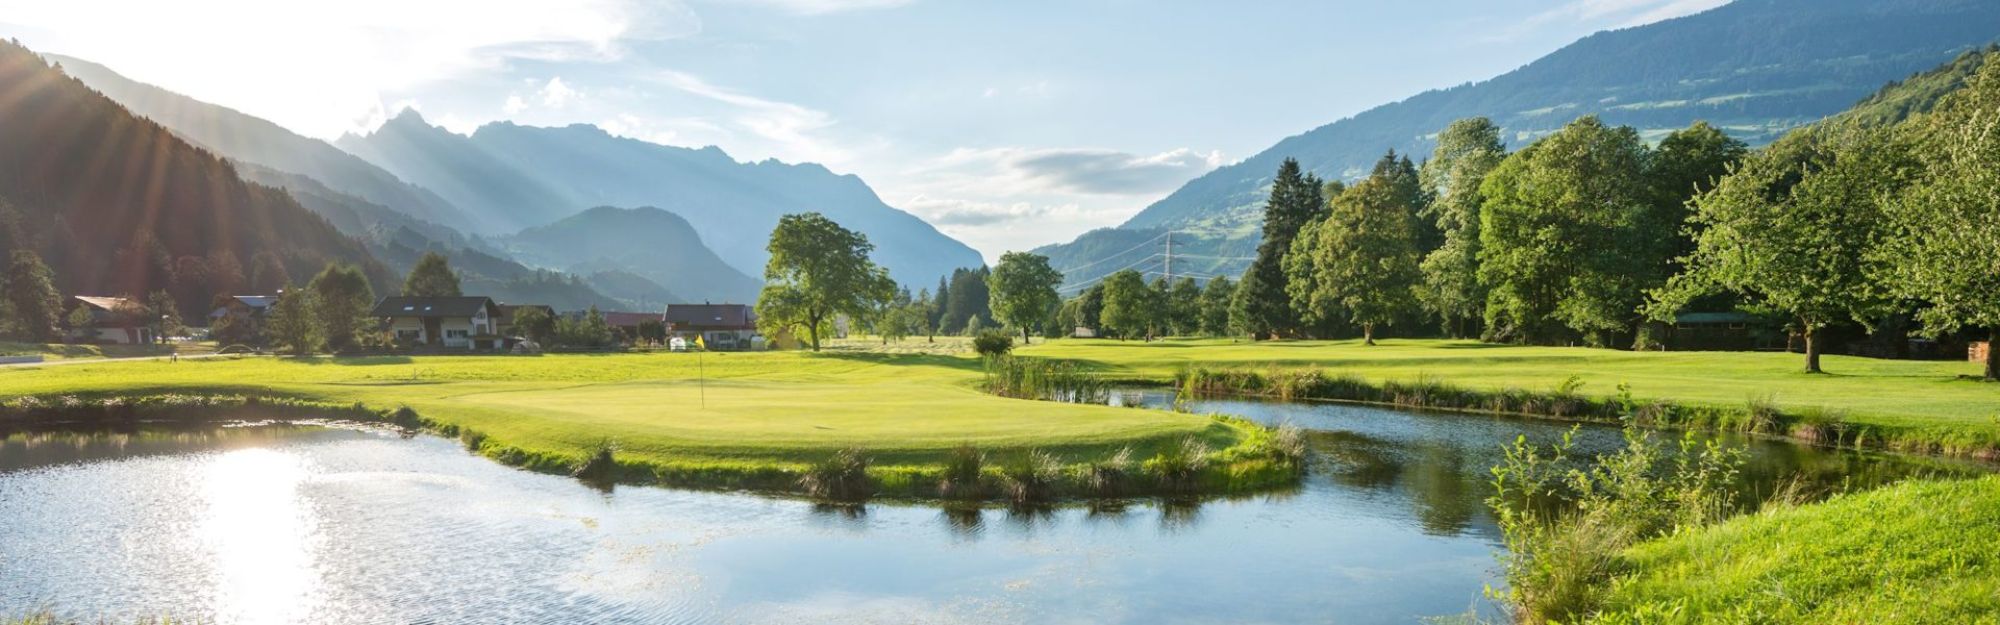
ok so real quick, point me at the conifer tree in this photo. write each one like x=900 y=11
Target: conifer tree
x=1262 y=301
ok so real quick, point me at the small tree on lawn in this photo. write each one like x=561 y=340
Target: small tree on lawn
x=1023 y=290
x=344 y=299
x=32 y=300
x=164 y=314
x=431 y=277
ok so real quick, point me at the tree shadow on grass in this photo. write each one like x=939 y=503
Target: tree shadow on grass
x=906 y=360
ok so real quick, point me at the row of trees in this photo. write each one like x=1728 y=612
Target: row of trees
x=1591 y=235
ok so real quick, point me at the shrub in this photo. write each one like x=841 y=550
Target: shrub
x=1109 y=477
x=993 y=344
x=842 y=476
x=962 y=473
x=1031 y=477
x=1179 y=467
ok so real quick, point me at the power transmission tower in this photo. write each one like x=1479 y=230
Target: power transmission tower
x=1170 y=257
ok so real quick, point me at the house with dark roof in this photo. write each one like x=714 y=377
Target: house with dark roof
x=243 y=307
x=113 y=320
x=463 y=322
x=717 y=326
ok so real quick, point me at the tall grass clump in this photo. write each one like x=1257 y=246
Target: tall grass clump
x=1109 y=477
x=1565 y=520
x=1031 y=477
x=963 y=472
x=1178 y=467
x=597 y=465
x=1043 y=379
x=842 y=476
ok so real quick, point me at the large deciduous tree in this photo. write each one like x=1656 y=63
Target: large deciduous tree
x=818 y=270
x=431 y=277
x=1947 y=251
x=1023 y=290
x=1262 y=302
x=1215 y=306
x=1467 y=150
x=1366 y=259
x=344 y=298
x=1561 y=236
x=1795 y=231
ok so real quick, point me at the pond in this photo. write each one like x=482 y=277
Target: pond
x=309 y=524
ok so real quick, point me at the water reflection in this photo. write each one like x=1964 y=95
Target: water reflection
x=310 y=525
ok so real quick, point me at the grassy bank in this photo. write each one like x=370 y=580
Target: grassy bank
x=65 y=351
x=740 y=420
x=1917 y=552
x=1918 y=406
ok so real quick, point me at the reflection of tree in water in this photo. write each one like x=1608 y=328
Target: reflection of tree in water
x=1358 y=460
x=849 y=514
x=1179 y=514
x=1031 y=516
x=964 y=521
x=1446 y=495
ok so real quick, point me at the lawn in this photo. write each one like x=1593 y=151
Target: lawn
x=1917 y=552
x=1890 y=393
x=787 y=408
x=65 y=351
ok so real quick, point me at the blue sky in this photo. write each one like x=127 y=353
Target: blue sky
x=1007 y=124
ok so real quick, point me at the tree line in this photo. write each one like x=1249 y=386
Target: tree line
x=1592 y=235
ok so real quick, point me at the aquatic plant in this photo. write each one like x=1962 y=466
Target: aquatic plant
x=963 y=472
x=1031 y=477
x=842 y=476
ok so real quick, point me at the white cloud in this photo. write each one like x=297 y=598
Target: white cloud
x=819 y=7
x=323 y=68
x=794 y=130
x=556 y=95
x=948 y=212
x=514 y=105
x=1085 y=171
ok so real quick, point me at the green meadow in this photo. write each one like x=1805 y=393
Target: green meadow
x=1940 y=397
x=772 y=409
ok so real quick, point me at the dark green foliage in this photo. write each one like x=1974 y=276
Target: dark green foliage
x=968 y=298
x=432 y=277
x=32 y=306
x=294 y=323
x=964 y=473
x=1131 y=308
x=1363 y=264
x=588 y=332
x=842 y=476
x=1214 y=307
x=1179 y=467
x=1044 y=379
x=1023 y=290
x=819 y=270
x=1031 y=477
x=993 y=344
x=1261 y=301
x=1183 y=308
x=1467 y=150
x=344 y=299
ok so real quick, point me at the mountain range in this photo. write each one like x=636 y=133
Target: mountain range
x=421 y=189
x=526 y=176
x=116 y=204
x=1755 y=68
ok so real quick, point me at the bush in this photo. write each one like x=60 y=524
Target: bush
x=962 y=473
x=843 y=476
x=1032 y=477
x=993 y=344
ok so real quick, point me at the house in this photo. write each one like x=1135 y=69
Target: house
x=462 y=322
x=717 y=326
x=113 y=320
x=627 y=324
x=244 y=307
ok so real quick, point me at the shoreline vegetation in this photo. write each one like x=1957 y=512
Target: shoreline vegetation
x=1049 y=452
x=1917 y=407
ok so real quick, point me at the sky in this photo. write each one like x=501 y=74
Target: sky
x=1006 y=124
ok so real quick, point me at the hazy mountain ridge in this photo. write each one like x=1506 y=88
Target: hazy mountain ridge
x=646 y=242
x=528 y=176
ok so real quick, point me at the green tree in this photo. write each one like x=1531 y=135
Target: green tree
x=535 y=324
x=1023 y=290
x=294 y=322
x=164 y=314
x=267 y=273
x=1090 y=308
x=1467 y=151
x=431 y=277
x=1561 y=236
x=1949 y=223
x=34 y=306
x=818 y=270
x=1366 y=259
x=1215 y=306
x=1128 y=304
x=1687 y=163
x=344 y=299
x=82 y=323
x=1795 y=231
x=1184 y=307
x=968 y=300
x=590 y=331
x=1262 y=301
